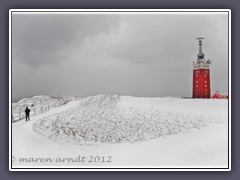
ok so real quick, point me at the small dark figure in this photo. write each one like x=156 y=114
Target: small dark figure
x=27 y=112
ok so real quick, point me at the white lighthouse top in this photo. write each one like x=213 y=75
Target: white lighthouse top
x=201 y=63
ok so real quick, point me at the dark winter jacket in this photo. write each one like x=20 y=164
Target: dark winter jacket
x=27 y=111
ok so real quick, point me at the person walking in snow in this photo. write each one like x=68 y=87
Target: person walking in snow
x=27 y=112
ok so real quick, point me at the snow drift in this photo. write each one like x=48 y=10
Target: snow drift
x=116 y=119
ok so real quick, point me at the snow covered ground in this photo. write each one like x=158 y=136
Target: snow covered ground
x=123 y=131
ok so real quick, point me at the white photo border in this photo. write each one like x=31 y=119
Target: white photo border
x=135 y=11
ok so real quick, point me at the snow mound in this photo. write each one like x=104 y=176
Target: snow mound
x=38 y=104
x=116 y=119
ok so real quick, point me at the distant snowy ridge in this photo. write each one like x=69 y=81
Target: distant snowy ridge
x=38 y=104
x=116 y=119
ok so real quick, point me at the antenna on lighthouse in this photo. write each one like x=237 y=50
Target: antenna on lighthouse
x=200 y=55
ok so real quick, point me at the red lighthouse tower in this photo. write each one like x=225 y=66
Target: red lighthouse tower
x=201 y=75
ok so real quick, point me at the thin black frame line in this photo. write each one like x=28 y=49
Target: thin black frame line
x=11 y=89
x=121 y=11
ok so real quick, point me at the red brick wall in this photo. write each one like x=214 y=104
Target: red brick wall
x=201 y=83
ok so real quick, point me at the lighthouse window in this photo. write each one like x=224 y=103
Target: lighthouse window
x=205 y=85
x=205 y=81
x=205 y=75
x=196 y=75
x=196 y=85
x=196 y=81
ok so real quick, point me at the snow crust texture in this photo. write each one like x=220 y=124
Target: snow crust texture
x=117 y=119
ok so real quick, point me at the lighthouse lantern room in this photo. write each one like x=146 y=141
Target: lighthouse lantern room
x=201 y=75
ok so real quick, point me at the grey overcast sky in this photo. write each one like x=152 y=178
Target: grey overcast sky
x=137 y=54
